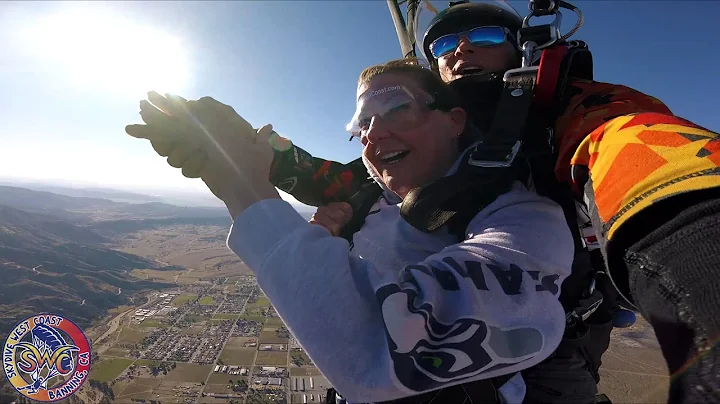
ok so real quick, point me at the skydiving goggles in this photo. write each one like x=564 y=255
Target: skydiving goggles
x=480 y=36
x=399 y=108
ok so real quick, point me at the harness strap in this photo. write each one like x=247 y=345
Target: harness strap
x=488 y=170
x=361 y=202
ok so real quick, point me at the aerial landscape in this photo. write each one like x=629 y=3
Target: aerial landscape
x=174 y=316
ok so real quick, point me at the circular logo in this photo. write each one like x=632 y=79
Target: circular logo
x=46 y=357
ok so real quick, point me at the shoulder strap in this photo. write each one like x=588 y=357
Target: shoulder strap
x=361 y=203
x=531 y=98
x=488 y=170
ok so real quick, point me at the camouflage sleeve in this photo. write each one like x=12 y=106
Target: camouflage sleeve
x=635 y=151
x=314 y=181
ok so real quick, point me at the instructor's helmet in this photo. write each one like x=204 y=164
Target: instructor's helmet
x=480 y=92
x=463 y=16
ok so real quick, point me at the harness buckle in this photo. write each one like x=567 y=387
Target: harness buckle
x=498 y=163
x=519 y=72
x=585 y=309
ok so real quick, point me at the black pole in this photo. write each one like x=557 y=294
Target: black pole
x=400 y=27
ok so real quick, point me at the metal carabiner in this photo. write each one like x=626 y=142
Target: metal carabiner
x=554 y=30
x=552 y=5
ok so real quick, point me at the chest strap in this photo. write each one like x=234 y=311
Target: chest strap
x=486 y=172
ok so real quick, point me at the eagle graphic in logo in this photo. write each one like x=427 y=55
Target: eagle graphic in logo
x=46 y=357
x=428 y=353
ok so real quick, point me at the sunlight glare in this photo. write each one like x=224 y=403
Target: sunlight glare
x=109 y=53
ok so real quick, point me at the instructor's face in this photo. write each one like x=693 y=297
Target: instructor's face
x=477 y=59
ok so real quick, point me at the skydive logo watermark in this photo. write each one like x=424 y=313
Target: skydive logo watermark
x=46 y=357
x=383 y=90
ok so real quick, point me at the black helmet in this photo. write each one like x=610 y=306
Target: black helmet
x=465 y=16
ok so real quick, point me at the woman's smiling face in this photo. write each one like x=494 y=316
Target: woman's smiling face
x=406 y=143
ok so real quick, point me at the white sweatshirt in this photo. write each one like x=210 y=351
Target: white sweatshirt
x=380 y=329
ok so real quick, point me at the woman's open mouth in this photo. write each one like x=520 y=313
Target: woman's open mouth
x=393 y=157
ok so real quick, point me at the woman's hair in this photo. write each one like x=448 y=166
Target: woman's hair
x=445 y=98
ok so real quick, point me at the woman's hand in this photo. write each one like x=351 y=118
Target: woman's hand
x=333 y=216
x=209 y=140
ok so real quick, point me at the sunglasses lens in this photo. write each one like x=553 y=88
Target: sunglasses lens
x=444 y=45
x=487 y=36
x=481 y=36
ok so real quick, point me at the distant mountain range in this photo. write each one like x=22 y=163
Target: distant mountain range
x=47 y=264
x=87 y=209
x=91 y=192
x=55 y=252
x=176 y=197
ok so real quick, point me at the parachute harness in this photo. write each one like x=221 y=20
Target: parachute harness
x=532 y=39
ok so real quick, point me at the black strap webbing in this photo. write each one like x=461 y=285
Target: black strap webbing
x=361 y=203
x=488 y=171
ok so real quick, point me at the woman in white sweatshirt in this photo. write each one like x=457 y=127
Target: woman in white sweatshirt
x=404 y=312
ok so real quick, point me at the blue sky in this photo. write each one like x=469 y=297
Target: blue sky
x=70 y=84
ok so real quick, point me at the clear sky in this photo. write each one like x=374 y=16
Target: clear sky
x=72 y=73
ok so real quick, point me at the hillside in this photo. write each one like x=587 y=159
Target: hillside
x=85 y=210
x=57 y=252
x=47 y=264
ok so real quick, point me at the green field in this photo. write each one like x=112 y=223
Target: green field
x=152 y=323
x=117 y=351
x=236 y=342
x=225 y=316
x=273 y=324
x=262 y=301
x=259 y=319
x=189 y=372
x=108 y=369
x=132 y=336
x=147 y=362
x=270 y=337
x=271 y=358
x=237 y=356
x=206 y=301
x=252 y=310
x=223 y=378
x=182 y=299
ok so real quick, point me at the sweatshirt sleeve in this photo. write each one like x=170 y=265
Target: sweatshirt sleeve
x=481 y=308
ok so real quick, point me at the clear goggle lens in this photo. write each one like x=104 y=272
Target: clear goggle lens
x=399 y=109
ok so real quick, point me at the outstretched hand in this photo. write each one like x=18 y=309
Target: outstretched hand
x=209 y=140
